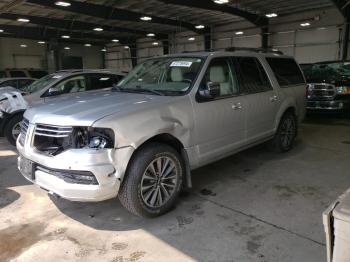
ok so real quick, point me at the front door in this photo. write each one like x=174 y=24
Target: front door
x=219 y=122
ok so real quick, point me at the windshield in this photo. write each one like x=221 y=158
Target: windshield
x=41 y=83
x=165 y=76
x=327 y=71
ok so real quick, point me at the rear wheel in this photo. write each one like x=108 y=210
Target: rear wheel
x=153 y=180
x=13 y=129
x=286 y=133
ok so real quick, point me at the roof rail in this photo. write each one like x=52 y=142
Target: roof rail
x=257 y=50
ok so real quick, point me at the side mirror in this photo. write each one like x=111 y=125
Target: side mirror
x=54 y=91
x=211 y=90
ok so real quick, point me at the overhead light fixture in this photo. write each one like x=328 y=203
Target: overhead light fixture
x=191 y=39
x=151 y=35
x=23 y=46
x=1 y=30
x=65 y=36
x=41 y=42
x=220 y=2
x=104 y=50
x=305 y=24
x=146 y=18
x=271 y=15
x=62 y=3
x=98 y=29
x=126 y=47
x=115 y=40
x=23 y=20
x=199 y=26
x=155 y=43
x=87 y=45
x=239 y=33
x=67 y=48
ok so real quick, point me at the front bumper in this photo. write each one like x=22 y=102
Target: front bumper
x=107 y=166
x=333 y=105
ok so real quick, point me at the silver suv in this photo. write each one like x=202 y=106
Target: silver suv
x=169 y=115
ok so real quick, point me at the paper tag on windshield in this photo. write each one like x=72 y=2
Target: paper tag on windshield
x=181 y=64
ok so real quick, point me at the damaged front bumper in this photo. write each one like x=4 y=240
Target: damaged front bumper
x=76 y=174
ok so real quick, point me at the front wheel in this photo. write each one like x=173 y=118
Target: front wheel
x=286 y=133
x=13 y=129
x=153 y=180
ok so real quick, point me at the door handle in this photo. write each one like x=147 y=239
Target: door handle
x=237 y=106
x=273 y=98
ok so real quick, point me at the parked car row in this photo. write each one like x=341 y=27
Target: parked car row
x=328 y=86
x=14 y=102
x=171 y=114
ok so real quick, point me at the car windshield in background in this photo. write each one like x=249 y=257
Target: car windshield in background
x=163 y=76
x=41 y=83
x=327 y=71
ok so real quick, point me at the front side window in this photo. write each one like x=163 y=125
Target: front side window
x=286 y=71
x=71 y=85
x=220 y=71
x=253 y=76
x=166 y=75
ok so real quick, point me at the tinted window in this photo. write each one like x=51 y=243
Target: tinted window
x=12 y=83
x=37 y=73
x=253 y=75
x=102 y=81
x=286 y=71
x=220 y=71
x=23 y=83
x=2 y=74
x=17 y=73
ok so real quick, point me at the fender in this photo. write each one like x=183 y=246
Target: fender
x=290 y=102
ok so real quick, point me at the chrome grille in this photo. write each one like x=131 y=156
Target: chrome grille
x=24 y=129
x=53 y=131
x=321 y=91
x=52 y=140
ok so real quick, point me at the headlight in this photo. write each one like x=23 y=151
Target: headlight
x=343 y=90
x=89 y=137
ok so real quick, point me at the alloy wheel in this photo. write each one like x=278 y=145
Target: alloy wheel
x=159 y=181
x=16 y=130
x=287 y=132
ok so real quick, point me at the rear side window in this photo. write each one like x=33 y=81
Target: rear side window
x=252 y=75
x=12 y=83
x=286 y=71
x=102 y=81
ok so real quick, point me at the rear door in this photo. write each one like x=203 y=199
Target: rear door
x=291 y=80
x=261 y=98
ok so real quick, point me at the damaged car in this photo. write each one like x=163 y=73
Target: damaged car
x=14 y=102
x=168 y=116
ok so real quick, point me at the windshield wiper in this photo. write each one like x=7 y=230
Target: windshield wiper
x=139 y=89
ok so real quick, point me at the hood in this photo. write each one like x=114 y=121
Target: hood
x=85 y=109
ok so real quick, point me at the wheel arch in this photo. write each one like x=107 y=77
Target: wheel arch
x=170 y=140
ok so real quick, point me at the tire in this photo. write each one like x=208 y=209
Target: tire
x=135 y=193
x=284 y=138
x=12 y=124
